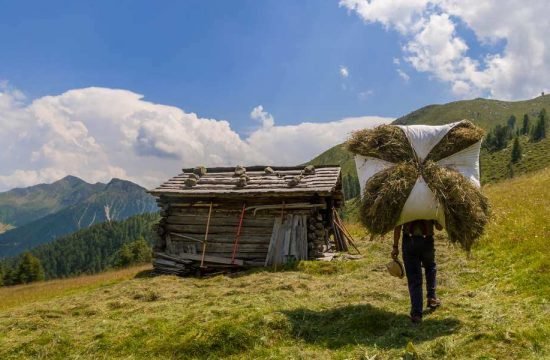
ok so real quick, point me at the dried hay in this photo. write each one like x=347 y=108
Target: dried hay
x=385 y=195
x=385 y=142
x=461 y=136
x=466 y=208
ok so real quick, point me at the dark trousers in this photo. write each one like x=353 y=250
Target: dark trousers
x=419 y=252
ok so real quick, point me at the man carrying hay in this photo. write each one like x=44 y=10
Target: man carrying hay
x=414 y=178
x=418 y=251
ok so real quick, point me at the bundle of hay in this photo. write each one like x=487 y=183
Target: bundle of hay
x=421 y=172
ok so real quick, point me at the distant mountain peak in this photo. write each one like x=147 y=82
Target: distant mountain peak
x=71 y=179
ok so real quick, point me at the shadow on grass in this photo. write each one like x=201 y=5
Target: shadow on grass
x=364 y=324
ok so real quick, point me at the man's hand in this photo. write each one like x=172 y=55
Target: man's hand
x=395 y=252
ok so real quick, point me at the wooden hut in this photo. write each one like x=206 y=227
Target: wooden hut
x=226 y=217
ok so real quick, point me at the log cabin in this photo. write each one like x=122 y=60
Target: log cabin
x=222 y=218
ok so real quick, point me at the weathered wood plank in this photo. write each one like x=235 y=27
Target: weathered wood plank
x=220 y=221
x=229 y=238
x=227 y=230
x=211 y=259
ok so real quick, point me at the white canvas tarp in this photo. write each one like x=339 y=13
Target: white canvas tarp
x=421 y=203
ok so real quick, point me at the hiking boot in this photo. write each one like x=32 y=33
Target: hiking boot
x=434 y=303
x=416 y=319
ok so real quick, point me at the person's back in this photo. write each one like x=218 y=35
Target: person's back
x=418 y=251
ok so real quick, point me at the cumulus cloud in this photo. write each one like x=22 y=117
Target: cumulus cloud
x=433 y=42
x=100 y=133
x=344 y=72
x=403 y=75
x=265 y=118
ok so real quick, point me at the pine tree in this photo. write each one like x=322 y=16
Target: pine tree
x=526 y=125
x=516 y=151
x=539 y=131
x=30 y=269
x=512 y=122
x=141 y=251
x=124 y=256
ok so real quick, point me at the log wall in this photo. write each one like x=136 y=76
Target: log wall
x=182 y=228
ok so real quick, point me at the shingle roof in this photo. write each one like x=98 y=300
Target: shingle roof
x=223 y=181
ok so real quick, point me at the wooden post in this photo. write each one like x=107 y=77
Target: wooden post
x=236 y=244
x=206 y=235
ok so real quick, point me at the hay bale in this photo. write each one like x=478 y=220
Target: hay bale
x=385 y=142
x=460 y=137
x=466 y=209
x=385 y=195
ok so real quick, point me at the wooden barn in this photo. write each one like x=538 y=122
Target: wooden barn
x=227 y=217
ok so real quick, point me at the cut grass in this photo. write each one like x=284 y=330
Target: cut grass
x=14 y=296
x=495 y=304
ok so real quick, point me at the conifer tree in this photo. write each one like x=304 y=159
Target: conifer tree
x=539 y=131
x=516 y=151
x=29 y=269
x=512 y=122
x=526 y=125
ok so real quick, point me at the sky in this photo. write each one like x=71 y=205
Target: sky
x=139 y=89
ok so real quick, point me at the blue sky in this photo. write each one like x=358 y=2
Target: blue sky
x=139 y=89
x=216 y=58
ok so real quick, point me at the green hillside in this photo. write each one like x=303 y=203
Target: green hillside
x=117 y=200
x=484 y=112
x=495 y=304
x=90 y=250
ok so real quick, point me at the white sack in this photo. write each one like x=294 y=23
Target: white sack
x=421 y=203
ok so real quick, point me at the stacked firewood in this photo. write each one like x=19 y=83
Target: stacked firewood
x=317 y=236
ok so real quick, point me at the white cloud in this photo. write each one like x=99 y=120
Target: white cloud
x=344 y=72
x=403 y=75
x=265 y=118
x=99 y=133
x=435 y=46
x=364 y=95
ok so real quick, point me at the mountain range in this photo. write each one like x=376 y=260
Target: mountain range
x=41 y=213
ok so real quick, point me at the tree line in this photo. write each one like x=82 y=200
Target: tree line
x=88 y=251
x=499 y=137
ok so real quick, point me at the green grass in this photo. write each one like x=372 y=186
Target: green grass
x=495 y=304
x=535 y=156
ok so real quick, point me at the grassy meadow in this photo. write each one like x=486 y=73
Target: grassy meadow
x=496 y=303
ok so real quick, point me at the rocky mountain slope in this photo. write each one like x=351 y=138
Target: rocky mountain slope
x=45 y=212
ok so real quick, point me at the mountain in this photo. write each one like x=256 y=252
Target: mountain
x=85 y=205
x=23 y=205
x=485 y=113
